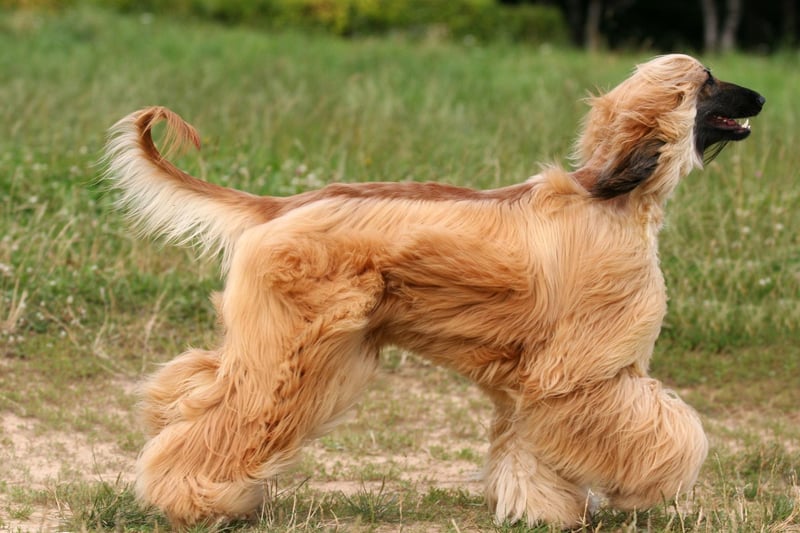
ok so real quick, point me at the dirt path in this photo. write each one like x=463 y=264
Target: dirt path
x=33 y=459
x=418 y=425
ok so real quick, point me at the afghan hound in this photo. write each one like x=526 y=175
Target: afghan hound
x=547 y=294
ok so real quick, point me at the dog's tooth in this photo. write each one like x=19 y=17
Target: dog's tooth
x=746 y=124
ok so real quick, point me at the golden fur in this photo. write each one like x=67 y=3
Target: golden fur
x=547 y=294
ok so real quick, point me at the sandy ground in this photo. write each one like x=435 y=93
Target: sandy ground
x=444 y=417
x=33 y=457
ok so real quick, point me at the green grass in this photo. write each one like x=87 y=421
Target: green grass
x=86 y=308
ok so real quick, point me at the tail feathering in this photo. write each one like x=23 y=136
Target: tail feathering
x=162 y=200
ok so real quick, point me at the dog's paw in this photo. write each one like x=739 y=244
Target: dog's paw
x=520 y=488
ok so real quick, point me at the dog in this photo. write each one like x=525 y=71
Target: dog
x=547 y=294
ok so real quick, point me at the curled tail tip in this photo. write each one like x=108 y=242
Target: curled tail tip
x=179 y=133
x=136 y=129
x=162 y=200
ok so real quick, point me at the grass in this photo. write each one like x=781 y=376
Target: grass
x=86 y=309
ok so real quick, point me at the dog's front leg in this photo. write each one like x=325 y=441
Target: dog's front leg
x=520 y=486
x=627 y=438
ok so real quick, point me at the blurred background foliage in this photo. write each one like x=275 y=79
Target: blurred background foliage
x=700 y=25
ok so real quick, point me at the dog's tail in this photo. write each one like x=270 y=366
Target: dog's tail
x=162 y=200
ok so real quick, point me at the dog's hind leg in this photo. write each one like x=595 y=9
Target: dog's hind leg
x=170 y=392
x=297 y=353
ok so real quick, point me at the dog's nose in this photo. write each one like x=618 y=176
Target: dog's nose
x=761 y=101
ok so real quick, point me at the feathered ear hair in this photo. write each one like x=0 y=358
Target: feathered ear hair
x=624 y=175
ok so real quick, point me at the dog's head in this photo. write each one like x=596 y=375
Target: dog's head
x=719 y=106
x=653 y=128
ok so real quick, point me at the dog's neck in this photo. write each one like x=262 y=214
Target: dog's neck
x=646 y=204
x=587 y=177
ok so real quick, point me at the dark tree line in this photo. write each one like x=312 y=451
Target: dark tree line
x=707 y=25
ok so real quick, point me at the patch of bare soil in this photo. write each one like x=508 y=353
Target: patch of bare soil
x=417 y=425
x=34 y=459
x=736 y=431
x=419 y=468
x=445 y=419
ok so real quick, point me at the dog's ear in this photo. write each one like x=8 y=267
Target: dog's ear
x=629 y=171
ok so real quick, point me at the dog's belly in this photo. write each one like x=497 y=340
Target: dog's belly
x=492 y=366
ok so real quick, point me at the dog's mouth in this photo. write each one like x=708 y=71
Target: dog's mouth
x=716 y=131
x=731 y=127
x=723 y=112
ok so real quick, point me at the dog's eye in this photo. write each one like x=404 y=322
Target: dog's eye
x=710 y=81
